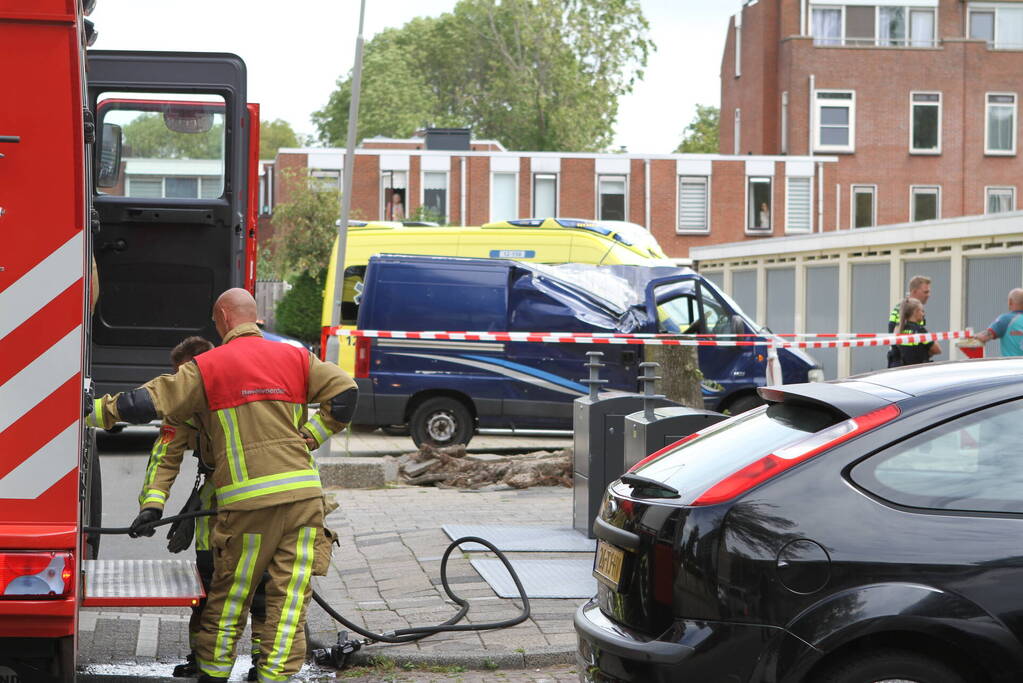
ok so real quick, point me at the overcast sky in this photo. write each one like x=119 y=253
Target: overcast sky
x=295 y=50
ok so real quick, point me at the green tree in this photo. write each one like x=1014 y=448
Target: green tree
x=148 y=137
x=701 y=135
x=298 y=311
x=534 y=74
x=304 y=227
x=273 y=135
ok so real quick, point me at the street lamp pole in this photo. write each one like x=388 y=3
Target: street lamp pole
x=349 y=168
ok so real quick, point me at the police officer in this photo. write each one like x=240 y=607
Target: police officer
x=919 y=289
x=249 y=396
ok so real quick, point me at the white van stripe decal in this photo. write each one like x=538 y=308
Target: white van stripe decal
x=40 y=378
x=44 y=468
x=451 y=346
x=41 y=285
x=497 y=369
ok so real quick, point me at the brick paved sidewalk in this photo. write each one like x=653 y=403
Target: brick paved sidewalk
x=386 y=575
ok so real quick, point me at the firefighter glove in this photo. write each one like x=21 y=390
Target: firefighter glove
x=181 y=532
x=139 y=526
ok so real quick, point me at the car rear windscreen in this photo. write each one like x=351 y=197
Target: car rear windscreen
x=729 y=446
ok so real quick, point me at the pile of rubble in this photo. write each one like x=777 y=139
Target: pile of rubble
x=452 y=467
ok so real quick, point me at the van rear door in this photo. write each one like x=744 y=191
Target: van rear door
x=172 y=204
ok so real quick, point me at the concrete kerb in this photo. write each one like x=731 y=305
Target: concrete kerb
x=530 y=659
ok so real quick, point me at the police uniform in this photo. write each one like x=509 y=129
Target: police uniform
x=894 y=359
x=914 y=354
x=250 y=396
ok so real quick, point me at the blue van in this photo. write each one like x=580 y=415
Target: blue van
x=445 y=390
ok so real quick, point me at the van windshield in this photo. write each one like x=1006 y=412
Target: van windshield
x=679 y=310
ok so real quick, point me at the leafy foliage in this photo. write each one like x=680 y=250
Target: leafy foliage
x=273 y=135
x=304 y=227
x=298 y=311
x=148 y=137
x=702 y=134
x=534 y=74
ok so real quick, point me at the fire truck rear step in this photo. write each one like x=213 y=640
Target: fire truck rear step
x=141 y=583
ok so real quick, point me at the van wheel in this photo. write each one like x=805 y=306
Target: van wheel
x=744 y=403
x=440 y=422
x=889 y=666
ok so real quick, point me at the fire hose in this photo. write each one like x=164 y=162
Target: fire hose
x=338 y=655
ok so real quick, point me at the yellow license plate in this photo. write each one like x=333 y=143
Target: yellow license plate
x=607 y=566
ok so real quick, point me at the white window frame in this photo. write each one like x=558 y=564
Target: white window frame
x=422 y=193
x=858 y=188
x=679 y=230
x=988 y=190
x=318 y=177
x=817 y=106
x=974 y=8
x=746 y=214
x=515 y=175
x=596 y=207
x=841 y=23
x=532 y=193
x=924 y=189
x=995 y=8
x=383 y=199
x=1015 y=123
x=877 y=4
x=912 y=105
x=809 y=228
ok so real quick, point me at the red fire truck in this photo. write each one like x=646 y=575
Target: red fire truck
x=146 y=162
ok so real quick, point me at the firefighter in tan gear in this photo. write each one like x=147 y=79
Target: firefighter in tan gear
x=250 y=397
x=161 y=471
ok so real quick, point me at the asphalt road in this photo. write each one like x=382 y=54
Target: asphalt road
x=123 y=464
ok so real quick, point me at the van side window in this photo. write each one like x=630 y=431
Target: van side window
x=351 y=296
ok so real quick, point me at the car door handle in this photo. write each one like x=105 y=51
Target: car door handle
x=9 y=138
x=116 y=245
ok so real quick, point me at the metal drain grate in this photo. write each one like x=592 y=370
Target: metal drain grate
x=527 y=539
x=571 y=578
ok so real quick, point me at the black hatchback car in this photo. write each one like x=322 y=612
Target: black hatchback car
x=848 y=532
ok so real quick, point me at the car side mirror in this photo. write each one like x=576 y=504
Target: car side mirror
x=108 y=156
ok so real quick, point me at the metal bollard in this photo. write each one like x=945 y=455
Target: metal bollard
x=648 y=378
x=594 y=382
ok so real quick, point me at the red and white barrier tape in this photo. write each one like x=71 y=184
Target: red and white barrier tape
x=824 y=341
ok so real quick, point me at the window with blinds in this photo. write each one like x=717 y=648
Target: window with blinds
x=693 y=204
x=799 y=205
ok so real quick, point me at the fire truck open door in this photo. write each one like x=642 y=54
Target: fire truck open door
x=171 y=174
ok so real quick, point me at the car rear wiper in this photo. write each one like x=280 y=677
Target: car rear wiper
x=644 y=483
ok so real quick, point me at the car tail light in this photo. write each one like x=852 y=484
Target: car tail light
x=362 y=356
x=36 y=575
x=775 y=463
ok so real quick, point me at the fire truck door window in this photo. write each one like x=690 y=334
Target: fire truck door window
x=172 y=145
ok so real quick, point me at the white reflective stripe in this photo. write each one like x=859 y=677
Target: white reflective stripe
x=41 y=285
x=44 y=468
x=40 y=378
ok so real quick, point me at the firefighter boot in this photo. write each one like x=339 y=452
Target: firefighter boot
x=186 y=670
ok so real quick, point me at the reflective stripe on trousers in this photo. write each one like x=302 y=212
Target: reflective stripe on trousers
x=272 y=483
x=294 y=603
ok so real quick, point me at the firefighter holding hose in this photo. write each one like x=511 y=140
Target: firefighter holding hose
x=249 y=396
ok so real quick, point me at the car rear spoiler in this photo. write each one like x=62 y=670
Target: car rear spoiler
x=840 y=398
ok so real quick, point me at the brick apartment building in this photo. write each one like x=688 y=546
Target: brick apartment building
x=917 y=99
x=685 y=200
